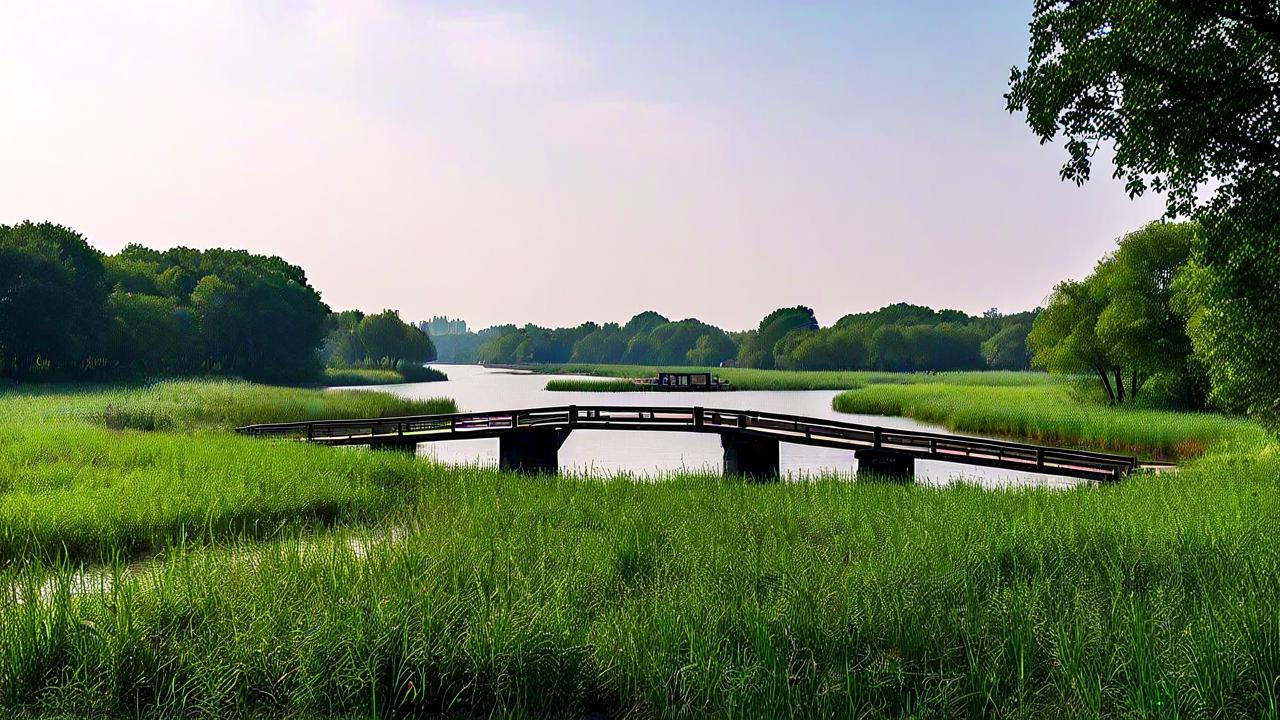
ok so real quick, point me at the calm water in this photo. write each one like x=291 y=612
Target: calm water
x=652 y=454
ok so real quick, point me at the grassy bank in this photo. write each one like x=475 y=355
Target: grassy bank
x=353 y=376
x=91 y=472
x=244 y=577
x=752 y=379
x=1050 y=412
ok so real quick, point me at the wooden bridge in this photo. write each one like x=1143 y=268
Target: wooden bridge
x=529 y=440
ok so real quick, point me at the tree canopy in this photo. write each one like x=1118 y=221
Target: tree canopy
x=1185 y=97
x=1121 y=324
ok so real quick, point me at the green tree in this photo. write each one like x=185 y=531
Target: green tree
x=1140 y=326
x=1184 y=92
x=1065 y=339
x=146 y=334
x=1007 y=349
x=757 y=350
x=52 y=296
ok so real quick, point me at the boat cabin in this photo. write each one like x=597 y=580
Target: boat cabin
x=688 y=381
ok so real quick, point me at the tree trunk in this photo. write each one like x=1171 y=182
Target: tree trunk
x=1106 y=383
x=1120 y=385
x=1133 y=386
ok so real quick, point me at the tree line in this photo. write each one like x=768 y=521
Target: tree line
x=900 y=337
x=70 y=311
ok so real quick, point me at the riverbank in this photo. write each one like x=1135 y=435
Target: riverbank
x=753 y=379
x=283 y=580
x=1051 y=413
x=354 y=376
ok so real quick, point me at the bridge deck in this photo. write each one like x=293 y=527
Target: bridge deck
x=786 y=428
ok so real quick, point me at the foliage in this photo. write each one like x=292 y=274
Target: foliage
x=757 y=348
x=380 y=340
x=895 y=338
x=1049 y=412
x=1184 y=93
x=1007 y=349
x=1121 y=323
x=52 y=297
x=648 y=338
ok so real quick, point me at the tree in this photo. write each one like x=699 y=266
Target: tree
x=1065 y=340
x=52 y=296
x=1185 y=94
x=757 y=350
x=889 y=350
x=1007 y=349
x=388 y=340
x=146 y=334
x=258 y=317
x=1139 y=325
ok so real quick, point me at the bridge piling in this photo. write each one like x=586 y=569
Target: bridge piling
x=753 y=457
x=886 y=464
x=532 y=452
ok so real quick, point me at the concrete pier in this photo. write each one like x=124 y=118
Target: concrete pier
x=885 y=464
x=534 y=452
x=751 y=456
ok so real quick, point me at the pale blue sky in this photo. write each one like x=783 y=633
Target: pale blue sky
x=558 y=162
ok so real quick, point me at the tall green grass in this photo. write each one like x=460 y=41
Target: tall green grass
x=753 y=379
x=192 y=405
x=1050 y=413
x=691 y=598
x=350 y=376
x=246 y=577
x=91 y=472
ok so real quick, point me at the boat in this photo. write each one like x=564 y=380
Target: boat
x=683 y=382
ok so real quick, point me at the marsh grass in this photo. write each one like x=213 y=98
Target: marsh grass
x=753 y=379
x=552 y=597
x=354 y=376
x=187 y=405
x=238 y=577
x=1051 y=413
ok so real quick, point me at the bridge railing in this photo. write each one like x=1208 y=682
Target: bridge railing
x=788 y=428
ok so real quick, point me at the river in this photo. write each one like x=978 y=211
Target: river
x=653 y=454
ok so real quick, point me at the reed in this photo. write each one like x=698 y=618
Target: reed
x=1050 y=413
x=753 y=379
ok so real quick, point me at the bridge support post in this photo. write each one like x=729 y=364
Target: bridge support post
x=885 y=464
x=753 y=457
x=532 y=452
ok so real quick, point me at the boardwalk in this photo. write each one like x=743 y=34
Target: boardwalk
x=530 y=438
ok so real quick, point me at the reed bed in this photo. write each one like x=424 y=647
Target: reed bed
x=194 y=573
x=753 y=379
x=1051 y=413
x=186 y=405
x=696 y=597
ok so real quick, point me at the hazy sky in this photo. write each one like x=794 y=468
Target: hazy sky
x=558 y=162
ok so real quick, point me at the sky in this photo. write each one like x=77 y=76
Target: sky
x=558 y=162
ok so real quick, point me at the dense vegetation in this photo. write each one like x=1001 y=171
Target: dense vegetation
x=1121 y=323
x=1185 y=92
x=66 y=307
x=68 y=311
x=1049 y=411
x=899 y=337
x=755 y=379
x=245 y=577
